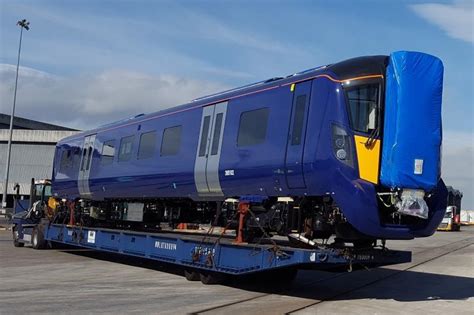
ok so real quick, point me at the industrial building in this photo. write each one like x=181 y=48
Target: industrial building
x=32 y=152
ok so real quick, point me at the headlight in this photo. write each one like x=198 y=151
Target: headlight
x=339 y=142
x=342 y=145
x=341 y=154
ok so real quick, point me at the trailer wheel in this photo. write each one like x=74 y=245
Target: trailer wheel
x=211 y=278
x=16 y=238
x=37 y=239
x=191 y=275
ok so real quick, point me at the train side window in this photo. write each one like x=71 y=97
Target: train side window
x=108 y=152
x=204 y=133
x=76 y=159
x=89 y=158
x=217 y=134
x=363 y=105
x=147 y=146
x=253 y=127
x=125 y=151
x=171 y=141
x=83 y=161
x=66 y=160
x=298 y=120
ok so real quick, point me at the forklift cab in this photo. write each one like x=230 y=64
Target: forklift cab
x=25 y=224
x=40 y=191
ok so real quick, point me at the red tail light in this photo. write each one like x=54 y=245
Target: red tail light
x=457 y=219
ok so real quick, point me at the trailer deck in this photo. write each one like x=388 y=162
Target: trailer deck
x=210 y=253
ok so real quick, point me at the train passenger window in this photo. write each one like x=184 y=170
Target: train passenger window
x=298 y=120
x=204 y=133
x=125 y=151
x=171 y=141
x=363 y=105
x=66 y=160
x=253 y=127
x=76 y=159
x=147 y=145
x=108 y=152
x=217 y=134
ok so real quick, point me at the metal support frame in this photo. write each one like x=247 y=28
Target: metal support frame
x=207 y=254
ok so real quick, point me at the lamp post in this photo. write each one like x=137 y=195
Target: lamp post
x=24 y=24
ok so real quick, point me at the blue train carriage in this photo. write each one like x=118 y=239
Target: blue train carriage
x=348 y=151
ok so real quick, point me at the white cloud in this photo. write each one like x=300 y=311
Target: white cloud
x=456 y=19
x=458 y=164
x=8 y=72
x=101 y=40
x=205 y=26
x=89 y=100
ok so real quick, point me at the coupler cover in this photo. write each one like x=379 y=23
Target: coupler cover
x=411 y=156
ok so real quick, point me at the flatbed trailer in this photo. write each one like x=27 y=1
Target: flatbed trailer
x=204 y=257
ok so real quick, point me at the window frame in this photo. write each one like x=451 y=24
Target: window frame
x=206 y=125
x=90 y=155
x=163 y=139
x=216 y=136
x=379 y=104
x=102 y=155
x=129 y=155
x=66 y=162
x=153 y=151
x=298 y=140
x=260 y=140
x=83 y=159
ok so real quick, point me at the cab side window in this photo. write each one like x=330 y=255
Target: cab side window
x=363 y=105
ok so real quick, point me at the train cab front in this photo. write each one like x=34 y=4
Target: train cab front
x=394 y=113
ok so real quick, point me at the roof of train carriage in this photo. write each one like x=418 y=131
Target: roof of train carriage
x=359 y=67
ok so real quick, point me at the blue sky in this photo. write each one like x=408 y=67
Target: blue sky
x=89 y=62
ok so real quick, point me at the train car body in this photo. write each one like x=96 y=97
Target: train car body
x=319 y=135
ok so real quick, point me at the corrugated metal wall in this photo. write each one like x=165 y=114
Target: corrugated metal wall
x=45 y=136
x=28 y=160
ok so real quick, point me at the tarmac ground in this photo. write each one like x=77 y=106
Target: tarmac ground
x=439 y=280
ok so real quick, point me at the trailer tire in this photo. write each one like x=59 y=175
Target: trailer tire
x=16 y=238
x=37 y=239
x=211 y=278
x=191 y=275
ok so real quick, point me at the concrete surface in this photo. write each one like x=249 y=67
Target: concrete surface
x=440 y=279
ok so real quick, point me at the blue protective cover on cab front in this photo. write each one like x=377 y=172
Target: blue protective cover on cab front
x=412 y=123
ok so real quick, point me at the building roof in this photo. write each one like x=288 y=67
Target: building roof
x=29 y=124
x=35 y=136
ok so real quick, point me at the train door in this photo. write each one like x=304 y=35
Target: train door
x=85 y=165
x=206 y=167
x=296 y=135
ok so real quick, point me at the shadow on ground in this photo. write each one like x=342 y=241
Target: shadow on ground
x=379 y=283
